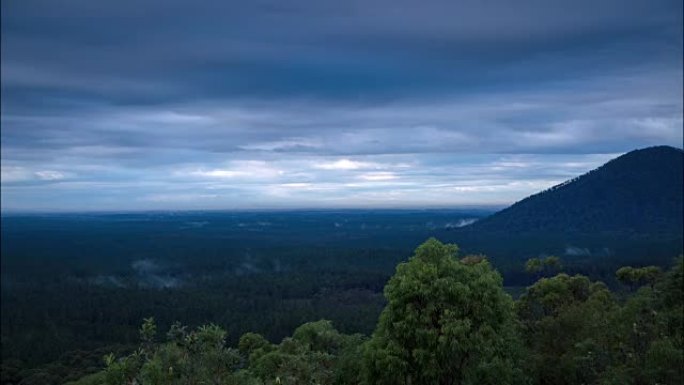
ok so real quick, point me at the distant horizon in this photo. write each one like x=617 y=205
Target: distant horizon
x=474 y=207
x=489 y=206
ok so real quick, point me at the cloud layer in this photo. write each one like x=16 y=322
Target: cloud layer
x=161 y=105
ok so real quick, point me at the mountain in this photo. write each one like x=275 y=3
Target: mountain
x=637 y=194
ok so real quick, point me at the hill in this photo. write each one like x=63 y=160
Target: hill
x=639 y=193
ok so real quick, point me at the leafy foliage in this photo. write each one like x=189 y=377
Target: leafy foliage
x=543 y=266
x=638 y=276
x=446 y=322
x=577 y=331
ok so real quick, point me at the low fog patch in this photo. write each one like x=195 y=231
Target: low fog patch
x=249 y=264
x=460 y=223
x=577 y=251
x=150 y=274
x=110 y=281
x=194 y=225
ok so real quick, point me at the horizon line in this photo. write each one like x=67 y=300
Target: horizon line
x=5 y=212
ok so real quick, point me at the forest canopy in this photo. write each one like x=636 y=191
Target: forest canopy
x=447 y=321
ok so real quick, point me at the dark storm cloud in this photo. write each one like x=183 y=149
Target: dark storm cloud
x=161 y=51
x=177 y=103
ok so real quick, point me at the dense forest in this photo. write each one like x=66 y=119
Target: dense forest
x=76 y=286
x=317 y=192
x=447 y=320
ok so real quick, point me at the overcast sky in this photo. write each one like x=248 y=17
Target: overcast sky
x=169 y=104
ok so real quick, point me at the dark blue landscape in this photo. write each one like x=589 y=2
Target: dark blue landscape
x=83 y=281
x=314 y=192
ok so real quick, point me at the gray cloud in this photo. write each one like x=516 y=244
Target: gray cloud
x=150 y=104
x=159 y=51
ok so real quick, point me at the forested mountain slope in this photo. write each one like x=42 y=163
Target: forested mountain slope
x=637 y=193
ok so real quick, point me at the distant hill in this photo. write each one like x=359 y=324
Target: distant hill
x=637 y=194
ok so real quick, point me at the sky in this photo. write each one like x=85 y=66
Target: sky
x=220 y=104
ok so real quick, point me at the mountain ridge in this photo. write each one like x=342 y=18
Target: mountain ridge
x=638 y=192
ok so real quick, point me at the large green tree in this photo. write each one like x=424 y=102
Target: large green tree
x=566 y=325
x=446 y=322
x=577 y=332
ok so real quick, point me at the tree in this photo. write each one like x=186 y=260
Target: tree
x=446 y=322
x=564 y=322
x=651 y=326
x=315 y=354
x=253 y=346
x=540 y=267
x=552 y=264
x=148 y=332
x=635 y=277
x=319 y=336
x=533 y=266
